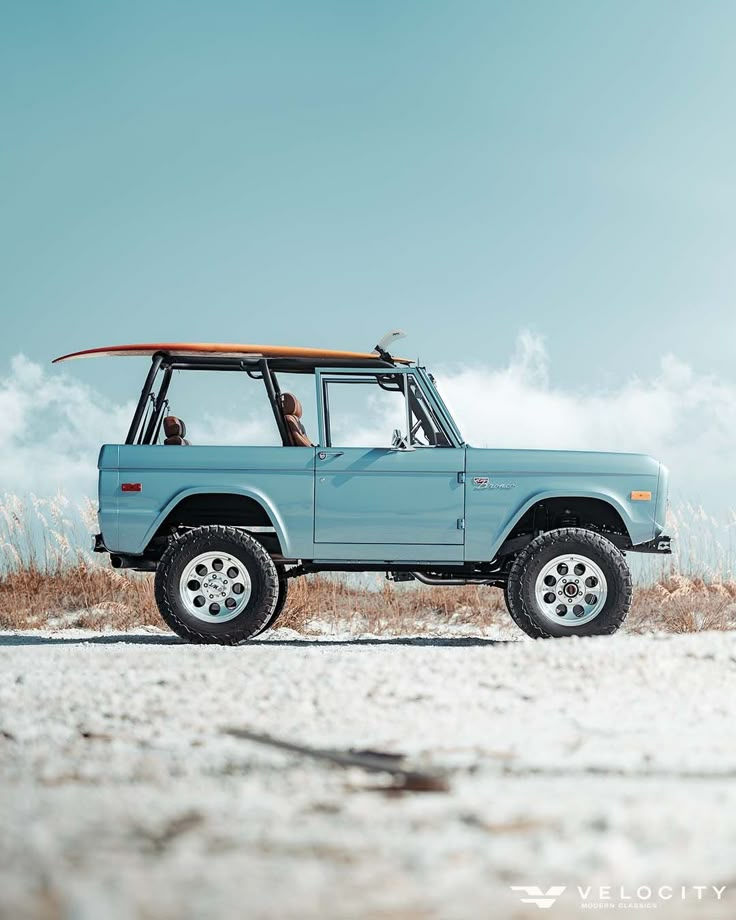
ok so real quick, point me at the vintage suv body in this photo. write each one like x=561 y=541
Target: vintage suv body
x=224 y=527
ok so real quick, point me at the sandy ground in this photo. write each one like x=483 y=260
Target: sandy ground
x=584 y=762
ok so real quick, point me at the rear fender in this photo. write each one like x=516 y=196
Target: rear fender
x=252 y=493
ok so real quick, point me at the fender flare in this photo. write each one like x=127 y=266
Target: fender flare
x=254 y=494
x=535 y=499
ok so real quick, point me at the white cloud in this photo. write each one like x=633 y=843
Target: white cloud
x=51 y=426
x=685 y=419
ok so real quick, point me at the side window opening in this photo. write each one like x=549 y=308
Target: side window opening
x=369 y=411
x=363 y=411
x=223 y=408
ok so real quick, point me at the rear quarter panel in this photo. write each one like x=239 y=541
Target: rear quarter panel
x=281 y=479
x=108 y=489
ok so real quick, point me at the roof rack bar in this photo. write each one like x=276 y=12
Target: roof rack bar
x=297 y=365
x=210 y=362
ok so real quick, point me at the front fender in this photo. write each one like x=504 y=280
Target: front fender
x=638 y=530
x=502 y=485
x=492 y=518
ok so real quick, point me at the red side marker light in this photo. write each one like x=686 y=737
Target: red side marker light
x=131 y=487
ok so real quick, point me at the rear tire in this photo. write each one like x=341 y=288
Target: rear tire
x=281 y=602
x=216 y=585
x=569 y=582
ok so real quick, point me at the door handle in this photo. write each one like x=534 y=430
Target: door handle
x=324 y=454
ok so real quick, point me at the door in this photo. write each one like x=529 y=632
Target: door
x=386 y=472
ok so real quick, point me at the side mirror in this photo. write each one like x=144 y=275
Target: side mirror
x=399 y=441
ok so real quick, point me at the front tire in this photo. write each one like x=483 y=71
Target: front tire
x=569 y=582
x=216 y=585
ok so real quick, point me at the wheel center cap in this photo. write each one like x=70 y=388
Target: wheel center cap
x=570 y=589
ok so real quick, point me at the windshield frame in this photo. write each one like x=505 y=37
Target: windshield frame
x=430 y=388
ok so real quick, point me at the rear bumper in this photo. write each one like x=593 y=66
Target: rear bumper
x=98 y=544
x=661 y=544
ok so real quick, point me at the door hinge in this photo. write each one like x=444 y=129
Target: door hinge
x=461 y=523
x=461 y=478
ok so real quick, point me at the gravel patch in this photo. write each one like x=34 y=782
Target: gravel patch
x=582 y=762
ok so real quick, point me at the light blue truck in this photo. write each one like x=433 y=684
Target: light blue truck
x=225 y=527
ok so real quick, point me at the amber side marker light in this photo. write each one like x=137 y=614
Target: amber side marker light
x=641 y=496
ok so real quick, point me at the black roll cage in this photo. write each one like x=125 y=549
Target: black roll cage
x=145 y=430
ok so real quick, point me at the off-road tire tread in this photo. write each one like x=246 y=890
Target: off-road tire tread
x=525 y=618
x=200 y=540
x=280 y=603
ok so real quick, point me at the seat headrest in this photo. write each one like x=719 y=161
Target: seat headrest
x=174 y=427
x=291 y=405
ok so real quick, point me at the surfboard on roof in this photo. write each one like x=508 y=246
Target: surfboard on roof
x=221 y=348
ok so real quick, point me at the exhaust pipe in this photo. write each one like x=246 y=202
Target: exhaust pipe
x=441 y=580
x=139 y=563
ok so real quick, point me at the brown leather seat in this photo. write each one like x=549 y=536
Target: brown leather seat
x=292 y=412
x=175 y=430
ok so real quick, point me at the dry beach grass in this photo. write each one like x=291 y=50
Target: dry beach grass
x=48 y=580
x=90 y=596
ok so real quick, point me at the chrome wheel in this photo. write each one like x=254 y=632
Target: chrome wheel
x=571 y=590
x=215 y=587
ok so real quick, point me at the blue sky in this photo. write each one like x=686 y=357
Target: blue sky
x=316 y=173
x=320 y=172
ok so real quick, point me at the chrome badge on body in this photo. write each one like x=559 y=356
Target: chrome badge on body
x=484 y=482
